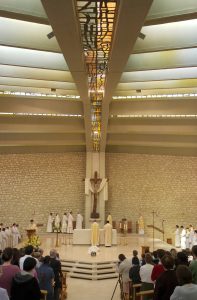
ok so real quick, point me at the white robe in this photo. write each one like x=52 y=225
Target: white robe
x=57 y=222
x=79 y=221
x=183 y=239
x=70 y=224
x=187 y=239
x=15 y=236
x=177 y=238
x=50 y=224
x=191 y=237
x=64 y=223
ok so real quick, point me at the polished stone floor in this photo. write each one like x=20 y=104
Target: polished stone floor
x=80 y=253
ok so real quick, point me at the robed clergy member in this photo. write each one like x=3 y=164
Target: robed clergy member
x=108 y=234
x=32 y=225
x=109 y=218
x=70 y=223
x=50 y=223
x=95 y=234
x=64 y=223
x=79 y=221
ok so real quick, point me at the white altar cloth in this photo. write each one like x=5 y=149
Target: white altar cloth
x=83 y=236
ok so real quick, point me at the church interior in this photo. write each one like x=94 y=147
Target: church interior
x=105 y=87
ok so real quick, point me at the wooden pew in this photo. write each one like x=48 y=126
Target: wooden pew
x=63 y=293
x=44 y=295
x=134 y=289
x=145 y=293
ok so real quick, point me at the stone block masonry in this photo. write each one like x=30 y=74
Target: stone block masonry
x=143 y=183
x=32 y=185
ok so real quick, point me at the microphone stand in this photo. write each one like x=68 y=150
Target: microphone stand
x=163 y=228
x=153 y=213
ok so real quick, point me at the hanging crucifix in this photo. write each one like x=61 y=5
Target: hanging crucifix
x=95 y=183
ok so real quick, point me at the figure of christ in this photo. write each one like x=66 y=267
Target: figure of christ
x=95 y=182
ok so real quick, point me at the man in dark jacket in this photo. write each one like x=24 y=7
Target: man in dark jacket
x=55 y=264
x=25 y=285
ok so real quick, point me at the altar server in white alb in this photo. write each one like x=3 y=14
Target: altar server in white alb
x=64 y=223
x=183 y=238
x=50 y=223
x=79 y=221
x=108 y=234
x=57 y=222
x=70 y=223
x=177 y=237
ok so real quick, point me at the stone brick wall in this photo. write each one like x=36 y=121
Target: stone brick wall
x=143 y=183
x=40 y=183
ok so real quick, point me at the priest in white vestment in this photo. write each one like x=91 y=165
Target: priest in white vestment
x=183 y=238
x=109 y=218
x=70 y=223
x=64 y=223
x=95 y=234
x=50 y=223
x=57 y=222
x=79 y=221
x=108 y=234
x=177 y=237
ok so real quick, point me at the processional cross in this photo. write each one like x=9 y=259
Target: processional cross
x=95 y=183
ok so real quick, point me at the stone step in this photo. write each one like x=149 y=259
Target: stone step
x=90 y=271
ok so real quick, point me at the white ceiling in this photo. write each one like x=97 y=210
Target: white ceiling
x=163 y=63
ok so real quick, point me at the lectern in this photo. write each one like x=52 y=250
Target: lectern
x=30 y=233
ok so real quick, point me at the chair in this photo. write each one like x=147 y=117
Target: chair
x=44 y=295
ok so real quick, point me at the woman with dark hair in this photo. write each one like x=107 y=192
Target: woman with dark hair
x=187 y=290
x=46 y=277
x=8 y=270
x=25 y=285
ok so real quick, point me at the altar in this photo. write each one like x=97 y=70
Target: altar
x=83 y=236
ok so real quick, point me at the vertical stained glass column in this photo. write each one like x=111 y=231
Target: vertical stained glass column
x=97 y=23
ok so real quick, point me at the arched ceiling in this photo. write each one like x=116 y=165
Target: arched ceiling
x=150 y=99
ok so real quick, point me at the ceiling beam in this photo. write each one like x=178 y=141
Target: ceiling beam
x=171 y=19
x=130 y=19
x=23 y=17
x=63 y=19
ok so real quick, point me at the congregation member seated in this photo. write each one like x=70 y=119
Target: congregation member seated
x=24 y=285
x=181 y=259
x=123 y=268
x=145 y=275
x=187 y=290
x=8 y=270
x=135 y=259
x=167 y=281
x=29 y=250
x=158 y=269
x=155 y=258
x=173 y=252
x=46 y=277
x=193 y=264
x=15 y=257
x=134 y=272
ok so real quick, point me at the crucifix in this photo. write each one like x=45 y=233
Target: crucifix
x=95 y=183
